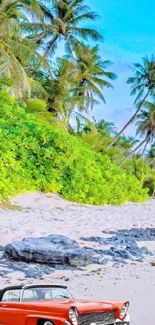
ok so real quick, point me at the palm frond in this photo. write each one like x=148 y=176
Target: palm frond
x=84 y=16
x=97 y=91
x=86 y=33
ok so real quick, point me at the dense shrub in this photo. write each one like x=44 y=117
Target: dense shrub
x=138 y=168
x=34 y=156
x=149 y=182
x=145 y=175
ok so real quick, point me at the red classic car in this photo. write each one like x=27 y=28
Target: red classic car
x=54 y=305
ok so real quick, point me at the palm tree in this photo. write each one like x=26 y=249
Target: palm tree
x=61 y=97
x=62 y=19
x=104 y=126
x=33 y=7
x=16 y=52
x=146 y=128
x=150 y=157
x=142 y=85
x=92 y=77
x=126 y=142
x=76 y=84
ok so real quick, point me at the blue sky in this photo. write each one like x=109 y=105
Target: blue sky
x=128 y=27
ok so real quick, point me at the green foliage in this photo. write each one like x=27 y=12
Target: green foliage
x=145 y=175
x=62 y=20
x=142 y=82
x=35 y=156
x=137 y=167
x=18 y=53
x=150 y=182
x=93 y=75
x=36 y=106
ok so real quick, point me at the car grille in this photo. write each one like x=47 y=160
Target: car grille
x=98 y=318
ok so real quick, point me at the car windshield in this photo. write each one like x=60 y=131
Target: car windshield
x=45 y=293
x=36 y=294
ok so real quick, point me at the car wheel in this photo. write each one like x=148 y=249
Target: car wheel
x=48 y=323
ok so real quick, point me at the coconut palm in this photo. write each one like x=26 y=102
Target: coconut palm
x=62 y=21
x=142 y=85
x=61 y=97
x=93 y=75
x=16 y=52
x=150 y=157
x=76 y=84
x=126 y=142
x=33 y=7
x=146 y=128
x=104 y=126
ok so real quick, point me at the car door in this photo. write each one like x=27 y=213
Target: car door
x=10 y=308
x=11 y=314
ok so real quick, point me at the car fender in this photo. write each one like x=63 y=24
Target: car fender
x=32 y=319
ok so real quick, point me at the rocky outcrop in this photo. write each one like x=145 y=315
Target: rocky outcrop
x=139 y=234
x=45 y=255
x=122 y=246
x=53 y=250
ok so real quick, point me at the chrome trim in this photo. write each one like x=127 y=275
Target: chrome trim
x=101 y=323
x=43 y=285
x=21 y=295
x=125 y=321
x=66 y=323
x=99 y=318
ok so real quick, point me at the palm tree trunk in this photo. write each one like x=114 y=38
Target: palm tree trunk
x=128 y=123
x=51 y=45
x=132 y=152
x=145 y=147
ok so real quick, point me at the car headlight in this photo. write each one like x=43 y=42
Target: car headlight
x=124 y=310
x=73 y=315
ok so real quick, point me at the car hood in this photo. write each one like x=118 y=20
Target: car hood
x=89 y=306
x=83 y=306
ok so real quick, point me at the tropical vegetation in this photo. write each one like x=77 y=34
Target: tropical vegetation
x=36 y=156
x=47 y=141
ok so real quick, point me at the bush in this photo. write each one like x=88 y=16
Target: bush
x=150 y=182
x=35 y=156
x=138 y=168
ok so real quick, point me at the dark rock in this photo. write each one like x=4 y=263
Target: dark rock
x=123 y=245
x=99 y=240
x=53 y=249
x=37 y=257
x=99 y=259
x=119 y=260
x=36 y=272
x=139 y=234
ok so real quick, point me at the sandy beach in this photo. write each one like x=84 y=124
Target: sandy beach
x=40 y=215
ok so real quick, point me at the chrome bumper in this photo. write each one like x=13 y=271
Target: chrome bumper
x=125 y=321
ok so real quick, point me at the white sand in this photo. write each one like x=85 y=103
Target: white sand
x=49 y=214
